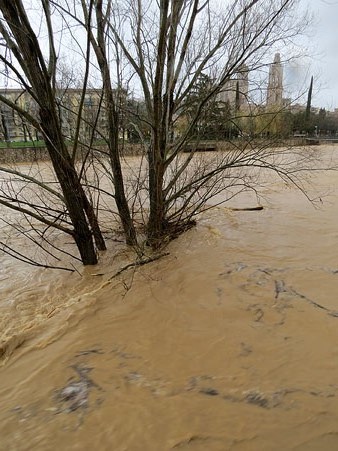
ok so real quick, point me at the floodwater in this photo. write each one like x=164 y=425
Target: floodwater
x=229 y=342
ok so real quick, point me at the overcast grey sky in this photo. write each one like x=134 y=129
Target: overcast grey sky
x=321 y=45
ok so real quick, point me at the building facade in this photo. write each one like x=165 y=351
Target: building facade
x=93 y=119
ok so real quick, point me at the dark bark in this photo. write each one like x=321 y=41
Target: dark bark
x=156 y=154
x=4 y=125
x=120 y=197
x=156 y=221
x=113 y=126
x=237 y=100
x=94 y=223
x=70 y=185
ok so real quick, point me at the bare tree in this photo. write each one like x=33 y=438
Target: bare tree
x=168 y=46
x=162 y=49
x=24 y=58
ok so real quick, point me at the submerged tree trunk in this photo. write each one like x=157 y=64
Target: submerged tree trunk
x=120 y=197
x=70 y=185
x=94 y=223
x=157 y=149
x=156 y=220
x=99 y=46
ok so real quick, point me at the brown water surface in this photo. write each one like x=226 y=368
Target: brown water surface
x=228 y=343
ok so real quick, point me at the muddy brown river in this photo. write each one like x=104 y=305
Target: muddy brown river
x=229 y=342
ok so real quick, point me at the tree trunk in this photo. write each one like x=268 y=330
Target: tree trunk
x=70 y=185
x=4 y=126
x=99 y=46
x=113 y=127
x=94 y=224
x=120 y=197
x=156 y=221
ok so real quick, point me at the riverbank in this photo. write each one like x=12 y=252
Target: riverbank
x=32 y=154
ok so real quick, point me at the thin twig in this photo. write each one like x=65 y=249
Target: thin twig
x=140 y=262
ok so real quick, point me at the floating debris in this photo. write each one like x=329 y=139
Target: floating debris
x=194 y=439
x=257 y=398
x=279 y=288
x=75 y=394
x=209 y=391
x=89 y=351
